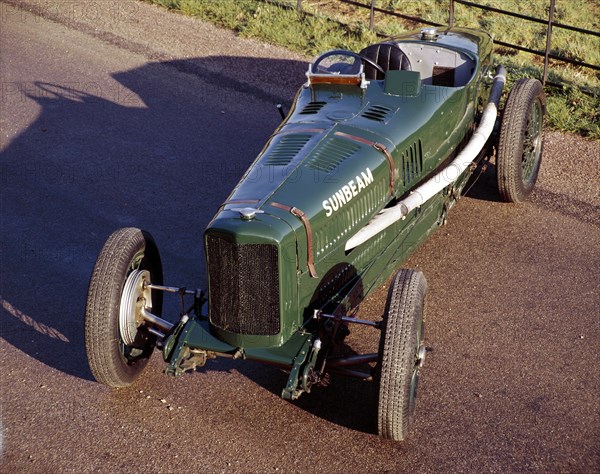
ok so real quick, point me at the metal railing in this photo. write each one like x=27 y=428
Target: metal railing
x=547 y=54
x=551 y=24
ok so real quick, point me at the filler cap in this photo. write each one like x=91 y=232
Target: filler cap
x=429 y=34
x=248 y=213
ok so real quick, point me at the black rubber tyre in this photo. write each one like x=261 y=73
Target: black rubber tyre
x=521 y=140
x=111 y=361
x=401 y=353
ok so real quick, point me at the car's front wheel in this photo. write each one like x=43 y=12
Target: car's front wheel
x=117 y=340
x=401 y=354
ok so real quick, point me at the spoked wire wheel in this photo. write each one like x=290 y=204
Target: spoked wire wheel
x=521 y=140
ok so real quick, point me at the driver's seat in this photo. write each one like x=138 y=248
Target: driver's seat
x=388 y=56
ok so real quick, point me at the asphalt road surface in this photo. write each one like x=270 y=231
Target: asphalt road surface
x=120 y=114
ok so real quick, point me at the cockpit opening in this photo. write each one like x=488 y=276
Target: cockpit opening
x=436 y=64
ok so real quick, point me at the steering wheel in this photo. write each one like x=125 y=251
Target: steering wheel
x=372 y=63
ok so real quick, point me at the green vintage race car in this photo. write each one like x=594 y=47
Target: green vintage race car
x=375 y=150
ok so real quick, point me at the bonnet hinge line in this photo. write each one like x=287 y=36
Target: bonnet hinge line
x=240 y=201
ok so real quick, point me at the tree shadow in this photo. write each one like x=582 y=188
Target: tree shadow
x=157 y=147
x=566 y=205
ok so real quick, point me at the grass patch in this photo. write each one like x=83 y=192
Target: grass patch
x=329 y=24
x=276 y=24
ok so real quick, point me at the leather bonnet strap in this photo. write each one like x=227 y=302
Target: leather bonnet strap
x=309 y=238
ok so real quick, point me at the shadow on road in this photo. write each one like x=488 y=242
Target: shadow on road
x=160 y=151
x=344 y=401
x=482 y=185
x=157 y=147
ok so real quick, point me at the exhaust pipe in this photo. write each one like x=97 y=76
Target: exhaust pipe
x=434 y=185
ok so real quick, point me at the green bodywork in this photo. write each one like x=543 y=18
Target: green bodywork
x=310 y=163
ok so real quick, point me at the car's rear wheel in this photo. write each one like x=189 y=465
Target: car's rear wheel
x=118 y=342
x=401 y=354
x=521 y=140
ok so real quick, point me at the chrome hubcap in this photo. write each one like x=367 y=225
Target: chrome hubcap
x=136 y=295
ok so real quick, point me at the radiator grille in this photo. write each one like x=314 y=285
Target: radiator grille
x=244 y=287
